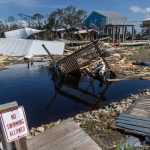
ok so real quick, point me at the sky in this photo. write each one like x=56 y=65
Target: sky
x=135 y=10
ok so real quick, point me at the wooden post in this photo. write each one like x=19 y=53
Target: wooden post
x=28 y=64
x=113 y=34
x=142 y=31
x=6 y=145
x=21 y=144
x=132 y=34
x=116 y=31
x=119 y=34
x=106 y=31
x=49 y=54
x=125 y=34
x=4 y=108
x=18 y=144
x=149 y=37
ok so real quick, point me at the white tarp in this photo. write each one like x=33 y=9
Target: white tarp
x=22 y=33
x=23 y=47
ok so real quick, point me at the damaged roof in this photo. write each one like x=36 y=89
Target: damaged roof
x=23 y=47
x=22 y=33
x=110 y=14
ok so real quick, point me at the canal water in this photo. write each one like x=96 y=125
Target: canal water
x=44 y=100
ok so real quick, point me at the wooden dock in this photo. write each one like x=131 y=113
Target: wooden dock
x=65 y=136
x=141 y=107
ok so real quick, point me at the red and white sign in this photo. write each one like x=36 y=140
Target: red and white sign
x=14 y=124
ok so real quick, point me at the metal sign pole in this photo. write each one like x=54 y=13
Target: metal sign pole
x=18 y=144
x=6 y=145
x=4 y=108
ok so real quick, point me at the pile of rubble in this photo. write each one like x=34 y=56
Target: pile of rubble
x=121 y=62
x=3 y=61
x=6 y=60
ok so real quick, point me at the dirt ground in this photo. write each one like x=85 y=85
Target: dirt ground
x=101 y=132
x=142 y=54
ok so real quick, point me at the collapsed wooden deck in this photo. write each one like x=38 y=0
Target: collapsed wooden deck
x=65 y=136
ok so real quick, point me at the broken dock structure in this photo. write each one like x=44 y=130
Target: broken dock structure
x=65 y=136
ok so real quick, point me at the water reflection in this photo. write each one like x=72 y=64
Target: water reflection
x=47 y=100
x=80 y=89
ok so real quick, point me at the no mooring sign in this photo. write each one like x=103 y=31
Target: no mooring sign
x=14 y=124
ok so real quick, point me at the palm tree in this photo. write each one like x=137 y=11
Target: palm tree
x=11 y=19
x=28 y=19
x=38 y=17
x=21 y=16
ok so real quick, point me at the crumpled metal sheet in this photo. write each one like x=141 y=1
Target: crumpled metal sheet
x=22 y=33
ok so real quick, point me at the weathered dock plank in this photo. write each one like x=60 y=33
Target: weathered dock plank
x=66 y=136
x=141 y=107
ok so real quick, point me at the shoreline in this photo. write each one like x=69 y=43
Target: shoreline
x=98 y=121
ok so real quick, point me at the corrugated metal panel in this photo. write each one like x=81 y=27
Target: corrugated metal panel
x=22 y=47
x=55 y=47
x=14 y=47
x=134 y=124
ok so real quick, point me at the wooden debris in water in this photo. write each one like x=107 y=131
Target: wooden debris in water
x=3 y=61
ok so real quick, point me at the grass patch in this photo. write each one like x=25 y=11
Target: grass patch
x=99 y=127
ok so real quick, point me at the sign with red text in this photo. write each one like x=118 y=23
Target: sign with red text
x=14 y=124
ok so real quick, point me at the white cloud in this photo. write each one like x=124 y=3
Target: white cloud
x=137 y=9
x=144 y=11
x=148 y=9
